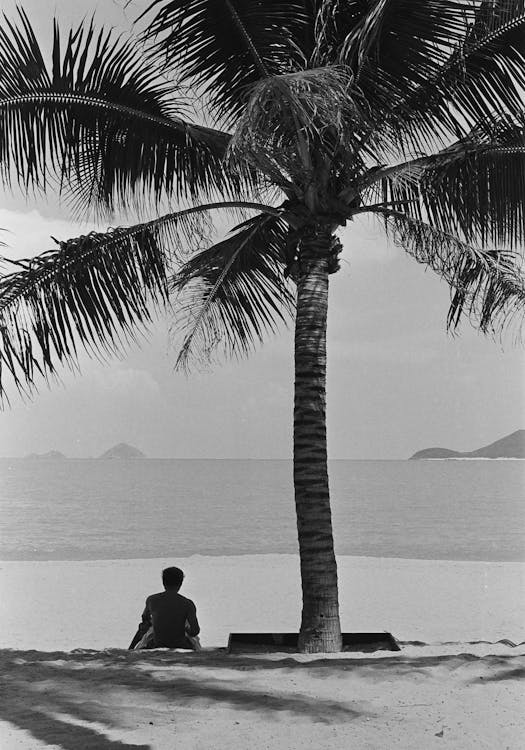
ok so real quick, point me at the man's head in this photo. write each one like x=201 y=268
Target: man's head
x=172 y=578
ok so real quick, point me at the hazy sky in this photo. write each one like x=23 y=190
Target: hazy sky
x=396 y=381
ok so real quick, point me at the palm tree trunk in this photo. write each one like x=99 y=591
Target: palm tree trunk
x=320 y=626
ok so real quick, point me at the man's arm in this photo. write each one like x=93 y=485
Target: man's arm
x=146 y=618
x=192 y=627
x=143 y=627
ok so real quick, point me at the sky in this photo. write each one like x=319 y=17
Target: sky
x=397 y=382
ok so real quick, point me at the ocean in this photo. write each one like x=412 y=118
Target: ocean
x=92 y=509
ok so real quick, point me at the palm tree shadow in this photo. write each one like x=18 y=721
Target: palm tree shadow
x=41 y=699
x=52 y=730
x=76 y=699
x=44 y=690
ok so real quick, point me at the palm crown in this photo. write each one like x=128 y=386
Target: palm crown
x=321 y=110
x=410 y=111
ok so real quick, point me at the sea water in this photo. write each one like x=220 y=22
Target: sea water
x=108 y=509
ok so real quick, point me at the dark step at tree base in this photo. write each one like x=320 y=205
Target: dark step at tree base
x=287 y=642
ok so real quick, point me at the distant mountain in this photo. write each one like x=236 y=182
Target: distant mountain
x=510 y=446
x=123 y=450
x=436 y=453
x=50 y=455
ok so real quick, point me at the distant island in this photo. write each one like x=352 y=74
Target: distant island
x=49 y=456
x=510 y=446
x=123 y=450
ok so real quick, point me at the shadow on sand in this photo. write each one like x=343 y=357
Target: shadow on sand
x=94 y=700
x=79 y=699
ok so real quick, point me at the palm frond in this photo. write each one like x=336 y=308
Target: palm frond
x=232 y=294
x=427 y=70
x=487 y=285
x=88 y=291
x=484 y=73
x=226 y=46
x=100 y=121
x=391 y=45
x=474 y=187
x=96 y=291
x=481 y=196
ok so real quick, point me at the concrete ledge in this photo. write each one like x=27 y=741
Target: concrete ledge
x=287 y=642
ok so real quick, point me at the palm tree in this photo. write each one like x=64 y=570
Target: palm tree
x=321 y=110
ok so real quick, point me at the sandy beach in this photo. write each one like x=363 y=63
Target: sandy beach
x=68 y=681
x=100 y=601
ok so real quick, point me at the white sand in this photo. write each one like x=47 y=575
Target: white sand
x=460 y=690
x=97 y=604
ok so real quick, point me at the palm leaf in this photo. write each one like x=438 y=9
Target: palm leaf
x=427 y=70
x=96 y=291
x=100 y=121
x=226 y=46
x=487 y=285
x=481 y=196
x=389 y=43
x=474 y=187
x=484 y=73
x=232 y=294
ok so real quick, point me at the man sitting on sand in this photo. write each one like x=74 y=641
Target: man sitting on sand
x=169 y=620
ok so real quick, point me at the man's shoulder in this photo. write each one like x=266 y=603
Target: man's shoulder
x=184 y=600
x=166 y=595
x=154 y=597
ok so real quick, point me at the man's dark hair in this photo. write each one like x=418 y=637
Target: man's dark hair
x=172 y=578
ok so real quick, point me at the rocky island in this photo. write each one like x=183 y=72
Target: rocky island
x=123 y=450
x=510 y=446
x=49 y=456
